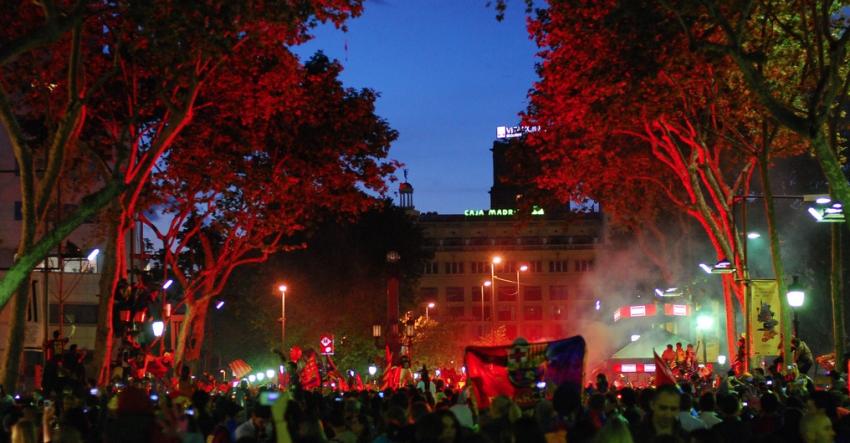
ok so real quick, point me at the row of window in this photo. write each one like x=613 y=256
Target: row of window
x=506 y=292
x=503 y=313
x=529 y=332
x=511 y=241
x=482 y=267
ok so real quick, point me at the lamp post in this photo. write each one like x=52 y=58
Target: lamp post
x=486 y=283
x=522 y=268
x=796 y=296
x=428 y=307
x=495 y=261
x=282 y=289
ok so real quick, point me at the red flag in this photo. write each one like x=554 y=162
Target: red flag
x=515 y=370
x=663 y=374
x=310 y=378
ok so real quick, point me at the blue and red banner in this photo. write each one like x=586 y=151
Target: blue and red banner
x=517 y=370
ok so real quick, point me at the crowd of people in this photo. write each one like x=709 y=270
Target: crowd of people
x=762 y=406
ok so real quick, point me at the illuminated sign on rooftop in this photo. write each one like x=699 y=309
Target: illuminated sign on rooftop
x=499 y=212
x=514 y=131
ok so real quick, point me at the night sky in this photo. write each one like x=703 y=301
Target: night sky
x=448 y=74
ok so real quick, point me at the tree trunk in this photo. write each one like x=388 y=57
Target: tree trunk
x=731 y=341
x=835 y=287
x=775 y=255
x=180 y=352
x=108 y=276
x=196 y=332
x=15 y=343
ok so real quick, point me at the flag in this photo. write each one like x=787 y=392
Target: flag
x=310 y=378
x=239 y=368
x=515 y=370
x=663 y=374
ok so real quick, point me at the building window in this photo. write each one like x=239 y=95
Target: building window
x=479 y=267
x=557 y=292
x=510 y=266
x=532 y=332
x=455 y=312
x=505 y=313
x=432 y=268
x=19 y=212
x=506 y=293
x=556 y=331
x=477 y=312
x=428 y=294
x=559 y=266
x=454 y=293
x=535 y=266
x=559 y=313
x=583 y=265
x=475 y=293
x=532 y=293
x=532 y=313
x=454 y=267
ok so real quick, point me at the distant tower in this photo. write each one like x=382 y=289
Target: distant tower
x=405 y=193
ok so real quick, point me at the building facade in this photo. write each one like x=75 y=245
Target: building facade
x=538 y=284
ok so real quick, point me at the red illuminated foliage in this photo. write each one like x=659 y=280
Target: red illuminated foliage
x=108 y=87
x=634 y=119
x=292 y=147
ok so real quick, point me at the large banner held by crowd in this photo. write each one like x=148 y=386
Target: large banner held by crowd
x=515 y=370
x=766 y=317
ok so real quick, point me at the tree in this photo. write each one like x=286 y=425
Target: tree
x=635 y=120
x=117 y=82
x=304 y=151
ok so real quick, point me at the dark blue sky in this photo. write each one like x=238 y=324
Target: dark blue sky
x=448 y=74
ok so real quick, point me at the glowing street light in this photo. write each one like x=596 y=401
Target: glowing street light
x=495 y=261
x=269 y=374
x=373 y=370
x=753 y=235
x=486 y=283
x=705 y=322
x=282 y=289
x=635 y=337
x=428 y=308
x=796 y=297
x=721 y=359
x=261 y=376
x=93 y=254
x=158 y=328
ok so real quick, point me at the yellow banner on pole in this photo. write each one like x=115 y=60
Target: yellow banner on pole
x=765 y=318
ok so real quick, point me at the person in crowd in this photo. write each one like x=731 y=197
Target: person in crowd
x=802 y=355
x=258 y=427
x=687 y=416
x=616 y=430
x=706 y=410
x=661 y=419
x=732 y=428
x=669 y=356
x=816 y=428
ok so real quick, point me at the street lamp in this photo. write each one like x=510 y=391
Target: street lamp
x=796 y=296
x=282 y=289
x=158 y=328
x=495 y=261
x=704 y=324
x=428 y=307
x=522 y=268
x=486 y=283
